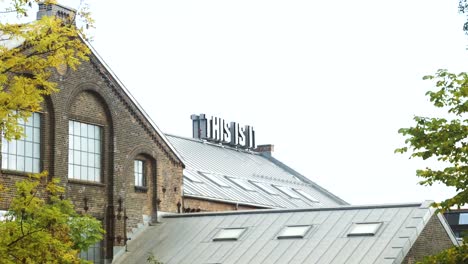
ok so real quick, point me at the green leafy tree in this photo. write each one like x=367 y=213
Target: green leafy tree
x=37 y=229
x=39 y=226
x=444 y=139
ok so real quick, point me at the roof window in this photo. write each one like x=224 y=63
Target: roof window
x=192 y=176
x=265 y=187
x=227 y=234
x=298 y=231
x=215 y=179
x=288 y=191
x=243 y=184
x=306 y=195
x=364 y=229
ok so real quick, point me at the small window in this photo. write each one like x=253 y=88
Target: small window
x=463 y=220
x=265 y=187
x=215 y=179
x=229 y=234
x=192 y=176
x=139 y=173
x=288 y=191
x=243 y=184
x=306 y=195
x=364 y=229
x=294 y=231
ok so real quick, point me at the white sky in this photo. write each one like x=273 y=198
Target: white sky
x=329 y=83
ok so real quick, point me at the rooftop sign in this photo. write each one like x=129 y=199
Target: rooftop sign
x=217 y=130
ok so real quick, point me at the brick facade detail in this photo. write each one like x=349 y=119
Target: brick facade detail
x=91 y=95
x=433 y=239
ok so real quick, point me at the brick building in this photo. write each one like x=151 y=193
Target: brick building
x=112 y=159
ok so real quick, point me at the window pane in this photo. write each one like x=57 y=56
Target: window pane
x=91 y=131
x=29 y=149
x=364 y=229
x=77 y=157
x=11 y=162
x=12 y=147
x=20 y=148
x=294 y=231
x=28 y=133
x=76 y=128
x=37 y=135
x=36 y=150
x=84 y=130
x=28 y=164
x=20 y=163
x=463 y=219
x=5 y=161
x=36 y=165
x=229 y=234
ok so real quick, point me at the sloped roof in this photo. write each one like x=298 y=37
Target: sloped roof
x=221 y=173
x=16 y=42
x=189 y=238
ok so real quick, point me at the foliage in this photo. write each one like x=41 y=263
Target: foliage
x=446 y=140
x=37 y=230
x=39 y=227
x=28 y=53
x=151 y=259
x=454 y=255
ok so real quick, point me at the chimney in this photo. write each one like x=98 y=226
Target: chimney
x=265 y=150
x=60 y=11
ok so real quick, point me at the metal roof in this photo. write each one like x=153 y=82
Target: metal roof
x=220 y=173
x=189 y=238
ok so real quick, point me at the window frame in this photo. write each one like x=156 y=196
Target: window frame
x=77 y=139
x=35 y=143
x=144 y=184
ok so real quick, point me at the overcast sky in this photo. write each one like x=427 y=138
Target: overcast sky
x=329 y=83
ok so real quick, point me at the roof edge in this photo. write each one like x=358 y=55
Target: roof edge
x=228 y=202
x=134 y=101
x=448 y=229
x=307 y=209
x=305 y=179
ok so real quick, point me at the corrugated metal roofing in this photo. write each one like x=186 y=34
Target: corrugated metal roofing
x=189 y=238
x=221 y=173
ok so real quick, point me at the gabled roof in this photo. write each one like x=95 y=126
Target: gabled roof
x=139 y=112
x=135 y=106
x=221 y=173
x=190 y=238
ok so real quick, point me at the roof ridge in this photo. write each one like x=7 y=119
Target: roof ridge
x=219 y=145
x=307 y=209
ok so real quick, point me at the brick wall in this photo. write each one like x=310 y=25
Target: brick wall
x=432 y=240
x=198 y=205
x=91 y=95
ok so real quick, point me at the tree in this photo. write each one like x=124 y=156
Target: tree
x=28 y=52
x=36 y=230
x=444 y=139
x=39 y=226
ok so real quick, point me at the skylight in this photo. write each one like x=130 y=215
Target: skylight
x=306 y=195
x=298 y=231
x=229 y=234
x=364 y=229
x=243 y=184
x=192 y=176
x=265 y=187
x=288 y=191
x=215 y=179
